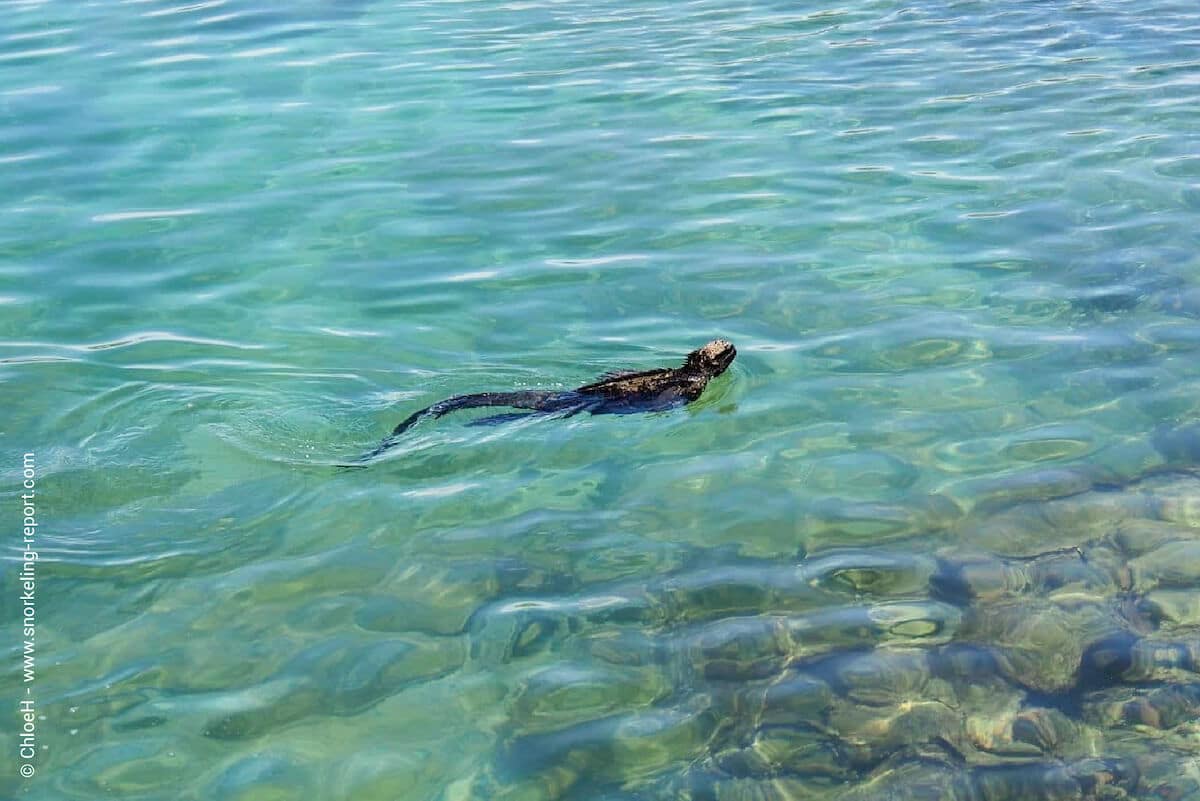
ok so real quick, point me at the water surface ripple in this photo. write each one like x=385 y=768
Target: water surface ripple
x=934 y=535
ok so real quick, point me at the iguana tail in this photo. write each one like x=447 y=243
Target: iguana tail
x=539 y=400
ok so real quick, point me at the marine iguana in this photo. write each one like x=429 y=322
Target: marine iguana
x=619 y=392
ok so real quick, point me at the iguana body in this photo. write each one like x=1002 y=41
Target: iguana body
x=615 y=393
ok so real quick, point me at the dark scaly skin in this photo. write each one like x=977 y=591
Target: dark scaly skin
x=620 y=393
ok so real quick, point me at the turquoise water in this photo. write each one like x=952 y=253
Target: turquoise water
x=955 y=244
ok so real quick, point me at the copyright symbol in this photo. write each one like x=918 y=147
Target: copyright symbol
x=27 y=770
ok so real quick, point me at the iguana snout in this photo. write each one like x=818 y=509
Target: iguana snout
x=714 y=358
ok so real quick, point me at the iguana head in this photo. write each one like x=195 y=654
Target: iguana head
x=712 y=359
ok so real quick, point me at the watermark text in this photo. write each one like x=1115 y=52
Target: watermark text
x=27 y=589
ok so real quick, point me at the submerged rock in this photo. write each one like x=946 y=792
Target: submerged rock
x=567 y=693
x=1070 y=574
x=625 y=748
x=1124 y=657
x=1171 y=608
x=1173 y=564
x=1025 y=662
x=1163 y=707
x=1040 y=644
x=1084 y=780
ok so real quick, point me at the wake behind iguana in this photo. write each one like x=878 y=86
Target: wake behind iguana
x=622 y=392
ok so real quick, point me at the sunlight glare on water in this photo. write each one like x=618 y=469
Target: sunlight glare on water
x=933 y=535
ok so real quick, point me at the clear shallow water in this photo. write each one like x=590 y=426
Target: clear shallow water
x=954 y=243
